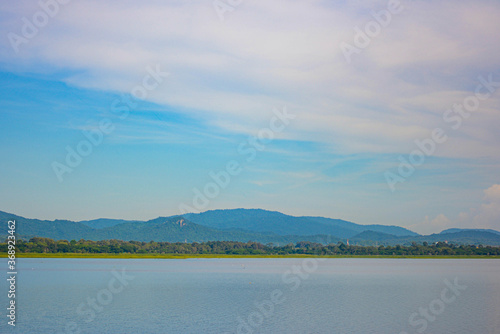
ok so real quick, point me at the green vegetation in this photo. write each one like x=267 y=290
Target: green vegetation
x=241 y=225
x=153 y=249
x=258 y=220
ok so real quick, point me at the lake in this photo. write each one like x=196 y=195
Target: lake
x=255 y=296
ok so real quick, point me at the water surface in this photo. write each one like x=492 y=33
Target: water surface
x=255 y=296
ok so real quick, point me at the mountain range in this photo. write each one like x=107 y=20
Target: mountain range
x=241 y=225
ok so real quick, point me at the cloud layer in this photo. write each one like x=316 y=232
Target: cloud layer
x=267 y=54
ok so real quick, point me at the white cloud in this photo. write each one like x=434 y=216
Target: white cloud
x=485 y=216
x=273 y=53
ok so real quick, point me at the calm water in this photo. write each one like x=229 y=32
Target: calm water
x=255 y=296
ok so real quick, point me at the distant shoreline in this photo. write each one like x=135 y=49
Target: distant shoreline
x=216 y=256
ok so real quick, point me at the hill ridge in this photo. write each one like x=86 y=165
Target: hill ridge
x=254 y=225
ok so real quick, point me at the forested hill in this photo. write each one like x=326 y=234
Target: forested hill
x=258 y=220
x=168 y=229
x=239 y=225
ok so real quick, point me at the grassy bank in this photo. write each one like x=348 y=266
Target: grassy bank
x=222 y=256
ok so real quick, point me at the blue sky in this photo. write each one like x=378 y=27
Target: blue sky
x=203 y=92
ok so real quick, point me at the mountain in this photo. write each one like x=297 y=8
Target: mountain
x=104 y=222
x=258 y=220
x=454 y=230
x=241 y=225
x=357 y=228
x=56 y=229
x=169 y=229
x=471 y=237
x=371 y=236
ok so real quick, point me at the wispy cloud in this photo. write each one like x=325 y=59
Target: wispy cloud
x=352 y=119
x=484 y=216
x=423 y=61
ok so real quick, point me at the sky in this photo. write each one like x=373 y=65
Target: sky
x=379 y=112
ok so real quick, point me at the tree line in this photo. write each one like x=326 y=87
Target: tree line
x=46 y=245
